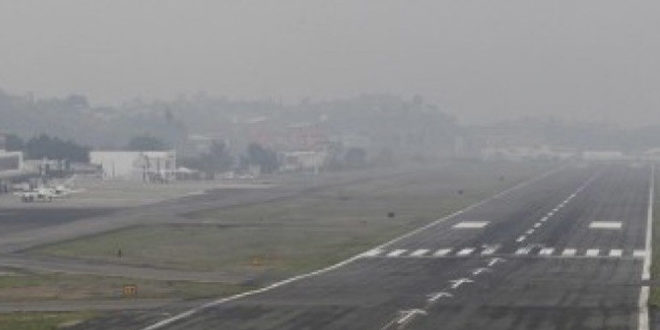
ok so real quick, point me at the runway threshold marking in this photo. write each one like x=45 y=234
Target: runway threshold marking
x=489 y=250
x=372 y=253
x=605 y=225
x=397 y=252
x=528 y=251
x=569 y=252
x=465 y=252
x=471 y=224
x=441 y=252
x=592 y=252
x=546 y=251
x=419 y=253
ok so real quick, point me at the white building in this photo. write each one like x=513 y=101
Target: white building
x=304 y=160
x=147 y=166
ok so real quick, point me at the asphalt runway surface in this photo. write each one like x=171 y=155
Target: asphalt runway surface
x=564 y=251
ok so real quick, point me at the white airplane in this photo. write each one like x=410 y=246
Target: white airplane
x=37 y=195
x=47 y=194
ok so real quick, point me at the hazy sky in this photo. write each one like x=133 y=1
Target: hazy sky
x=596 y=60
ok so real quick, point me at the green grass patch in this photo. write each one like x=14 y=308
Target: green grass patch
x=36 y=287
x=42 y=321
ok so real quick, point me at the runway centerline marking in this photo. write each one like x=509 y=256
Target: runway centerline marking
x=605 y=225
x=471 y=225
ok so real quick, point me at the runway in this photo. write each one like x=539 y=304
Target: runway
x=564 y=251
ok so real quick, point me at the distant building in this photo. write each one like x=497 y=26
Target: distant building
x=605 y=155
x=528 y=153
x=11 y=168
x=146 y=166
x=304 y=160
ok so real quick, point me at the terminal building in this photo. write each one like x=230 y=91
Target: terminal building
x=145 y=166
x=11 y=166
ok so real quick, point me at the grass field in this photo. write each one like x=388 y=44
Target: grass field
x=31 y=287
x=277 y=239
x=41 y=321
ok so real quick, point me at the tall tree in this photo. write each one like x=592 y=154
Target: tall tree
x=265 y=158
x=146 y=143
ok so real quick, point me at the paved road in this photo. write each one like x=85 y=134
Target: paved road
x=566 y=251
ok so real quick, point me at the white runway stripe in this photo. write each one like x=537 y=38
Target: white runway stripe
x=616 y=253
x=523 y=251
x=397 y=252
x=592 y=252
x=546 y=251
x=639 y=253
x=419 y=253
x=493 y=249
x=372 y=253
x=465 y=252
x=489 y=250
x=441 y=252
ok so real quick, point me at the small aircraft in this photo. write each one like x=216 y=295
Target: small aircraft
x=47 y=194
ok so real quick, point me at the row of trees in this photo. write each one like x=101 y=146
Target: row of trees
x=219 y=159
x=45 y=146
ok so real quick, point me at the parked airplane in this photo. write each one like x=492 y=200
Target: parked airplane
x=47 y=194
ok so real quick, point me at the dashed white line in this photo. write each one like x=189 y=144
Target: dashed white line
x=465 y=252
x=489 y=250
x=471 y=224
x=522 y=251
x=546 y=251
x=419 y=253
x=456 y=283
x=616 y=253
x=435 y=296
x=605 y=225
x=538 y=224
x=529 y=232
x=397 y=252
x=521 y=238
x=639 y=254
x=372 y=253
x=592 y=252
x=441 y=252
x=569 y=252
